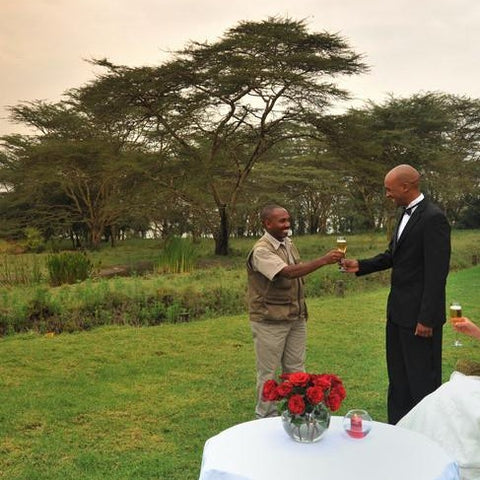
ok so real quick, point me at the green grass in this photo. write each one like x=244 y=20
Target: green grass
x=133 y=251
x=139 y=403
x=215 y=287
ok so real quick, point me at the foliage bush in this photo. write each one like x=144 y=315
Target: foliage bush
x=34 y=241
x=20 y=270
x=216 y=288
x=68 y=267
x=178 y=256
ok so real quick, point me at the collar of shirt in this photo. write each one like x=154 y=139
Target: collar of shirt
x=405 y=218
x=414 y=203
x=275 y=243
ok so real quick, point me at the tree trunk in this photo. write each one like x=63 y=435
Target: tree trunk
x=96 y=233
x=222 y=235
x=72 y=238
x=313 y=224
x=113 y=233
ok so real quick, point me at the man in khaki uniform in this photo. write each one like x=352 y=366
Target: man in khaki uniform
x=276 y=301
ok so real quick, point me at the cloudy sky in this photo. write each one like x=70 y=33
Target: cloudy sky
x=410 y=45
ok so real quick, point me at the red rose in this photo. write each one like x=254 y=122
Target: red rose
x=334 y=380
x=296 y=405
x=314 y=395
x=339 y=390
x=285 y=389
x=322 y=381
x=333 y=402
x=269 y=392
x=299 y=378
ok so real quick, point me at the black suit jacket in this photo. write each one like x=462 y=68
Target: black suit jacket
x=420 y=263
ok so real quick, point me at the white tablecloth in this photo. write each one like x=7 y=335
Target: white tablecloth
x=261 y=450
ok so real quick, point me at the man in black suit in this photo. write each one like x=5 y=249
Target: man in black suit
x=419 y=255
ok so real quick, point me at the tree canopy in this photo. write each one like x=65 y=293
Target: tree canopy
x=198 y=143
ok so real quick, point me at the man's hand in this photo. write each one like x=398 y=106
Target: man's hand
x=423 y=331
x=333 y=256
x=350 y=265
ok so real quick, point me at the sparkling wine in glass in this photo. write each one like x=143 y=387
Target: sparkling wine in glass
x=342 y=247
x=455 y=314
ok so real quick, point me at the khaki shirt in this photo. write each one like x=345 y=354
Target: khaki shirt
x=268 y=264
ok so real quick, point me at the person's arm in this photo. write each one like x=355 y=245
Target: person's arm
x=382 y=261
x=304 y=268
x=436 y=245
x=466 y=326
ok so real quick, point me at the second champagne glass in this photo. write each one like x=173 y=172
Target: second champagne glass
x=455 y=314
x=342 y=247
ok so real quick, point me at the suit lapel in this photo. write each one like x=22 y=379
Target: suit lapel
x=415 y=217
x=395 y=232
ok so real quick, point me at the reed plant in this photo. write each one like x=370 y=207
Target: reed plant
x=68 y=267
x=215 y=287
x=178 y=256
x=26 y=269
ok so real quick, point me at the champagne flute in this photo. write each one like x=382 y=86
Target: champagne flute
x=455 y=314
x=342 y=247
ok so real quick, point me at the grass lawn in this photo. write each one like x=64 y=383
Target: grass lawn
x=139 y=403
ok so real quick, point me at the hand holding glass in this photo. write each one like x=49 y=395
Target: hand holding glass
x=455 y=314
x=342 y=247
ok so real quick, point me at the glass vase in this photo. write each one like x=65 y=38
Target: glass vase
x=309 y=427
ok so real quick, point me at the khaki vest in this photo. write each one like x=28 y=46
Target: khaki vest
x=280 y=299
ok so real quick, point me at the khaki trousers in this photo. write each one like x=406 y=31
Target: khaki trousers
x=277 y=345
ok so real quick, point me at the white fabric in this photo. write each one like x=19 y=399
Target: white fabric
x=261 y=450
x=451 y=417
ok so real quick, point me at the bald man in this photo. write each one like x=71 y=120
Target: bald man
x=419 y=256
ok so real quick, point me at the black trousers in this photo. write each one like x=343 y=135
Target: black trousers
x=414 y=367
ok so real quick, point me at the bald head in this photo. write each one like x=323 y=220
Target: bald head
x=402 y=184
x=404 y=174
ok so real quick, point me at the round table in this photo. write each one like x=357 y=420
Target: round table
x=261 y=450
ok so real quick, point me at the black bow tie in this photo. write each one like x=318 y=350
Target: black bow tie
x=407 y=211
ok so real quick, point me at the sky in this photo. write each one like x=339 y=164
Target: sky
x=411 y=46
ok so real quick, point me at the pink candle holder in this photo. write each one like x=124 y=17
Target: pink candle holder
x=357 y=423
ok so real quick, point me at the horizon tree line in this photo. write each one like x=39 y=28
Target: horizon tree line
x=198 y=144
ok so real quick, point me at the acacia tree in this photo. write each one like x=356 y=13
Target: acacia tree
x=437 y=133
x=75 y=172
x=219 y=107
x=306 y=184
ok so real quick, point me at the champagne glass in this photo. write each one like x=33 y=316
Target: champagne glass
x=342 y=247
x=455 y=314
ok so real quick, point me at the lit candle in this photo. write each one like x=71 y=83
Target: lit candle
x=356 y=427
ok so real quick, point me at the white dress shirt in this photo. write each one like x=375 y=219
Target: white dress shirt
x=413 y=206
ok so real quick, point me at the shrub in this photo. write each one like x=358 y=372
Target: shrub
x=68 y=267
x=20 y=270
x=34 y=241
x=178 y=256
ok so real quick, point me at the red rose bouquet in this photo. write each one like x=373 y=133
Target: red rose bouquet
x=303 y=393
